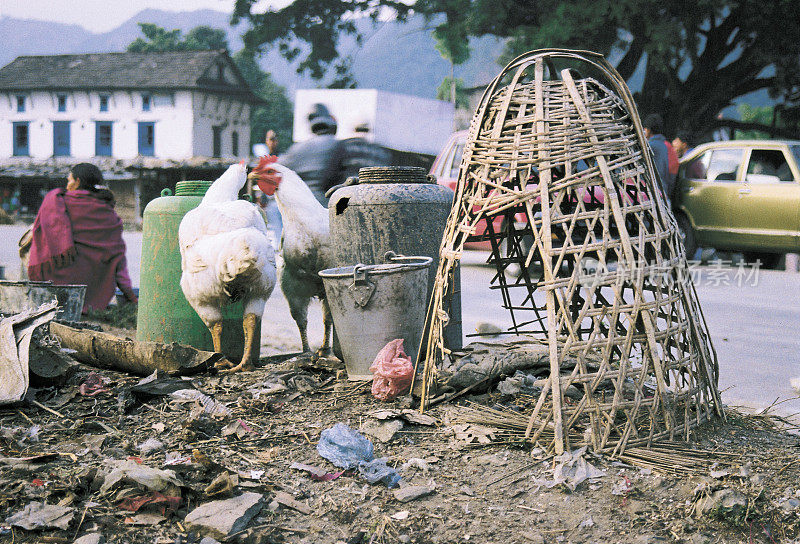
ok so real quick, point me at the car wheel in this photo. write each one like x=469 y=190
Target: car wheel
x=769 y=261
x=689 y=239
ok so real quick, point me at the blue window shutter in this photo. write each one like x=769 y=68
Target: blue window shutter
x=147 y=139
x=103 y=138
x=21 y=137
x=61 y=138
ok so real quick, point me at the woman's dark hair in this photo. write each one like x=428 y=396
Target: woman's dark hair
x=89 y=175
x=91 y=179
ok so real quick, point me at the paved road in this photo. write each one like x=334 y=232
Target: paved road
x=754 y=326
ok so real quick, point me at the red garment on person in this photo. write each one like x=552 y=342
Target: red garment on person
x=77 y=239
x=672 y=157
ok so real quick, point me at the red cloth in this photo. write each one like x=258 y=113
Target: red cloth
x=672 y=158
x=77 y=239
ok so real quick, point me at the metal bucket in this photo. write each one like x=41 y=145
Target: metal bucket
x=18 y=296
x=372 y=305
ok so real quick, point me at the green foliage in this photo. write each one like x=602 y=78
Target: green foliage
x=750 y=114
x=315 y=23
x=695 y=59
x=158 y=39
x=444 y=92
x=277 y=113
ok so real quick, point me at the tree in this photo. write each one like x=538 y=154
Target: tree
x=199 y=38
x=445 y=92
x=694 y=60
x=275 y=113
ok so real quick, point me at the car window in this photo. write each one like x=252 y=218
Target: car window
x=724 y=164
x=697 y=167
x=796 y=152
x=456 y=159
x=768 y=166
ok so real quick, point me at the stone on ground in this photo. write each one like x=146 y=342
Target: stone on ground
x=219 y=519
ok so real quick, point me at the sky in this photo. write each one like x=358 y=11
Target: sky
x=104 y=15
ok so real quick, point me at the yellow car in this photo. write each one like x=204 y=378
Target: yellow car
x=743 y=196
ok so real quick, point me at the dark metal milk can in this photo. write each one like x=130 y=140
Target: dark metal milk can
x=399 y=209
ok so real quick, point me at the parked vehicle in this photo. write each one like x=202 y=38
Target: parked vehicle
x=445 y=170
x=741 y=195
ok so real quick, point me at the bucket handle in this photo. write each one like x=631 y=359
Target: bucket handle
x=361 y=289
x=390 y=256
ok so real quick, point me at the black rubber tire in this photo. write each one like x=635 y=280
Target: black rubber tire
x=689 y=238
x=769 y=261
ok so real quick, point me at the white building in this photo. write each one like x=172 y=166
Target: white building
x=397 y=121
x=171 y=105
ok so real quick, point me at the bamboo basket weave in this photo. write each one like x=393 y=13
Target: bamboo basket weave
x=603 y=269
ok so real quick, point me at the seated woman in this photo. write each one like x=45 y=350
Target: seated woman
x=77 y=239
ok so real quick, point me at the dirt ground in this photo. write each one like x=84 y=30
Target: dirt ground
x=483 y=493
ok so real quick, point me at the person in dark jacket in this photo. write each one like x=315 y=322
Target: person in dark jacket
x=359 y=152
x=653 y=126
x=318 y=160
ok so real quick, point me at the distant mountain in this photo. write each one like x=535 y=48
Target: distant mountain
x=119 y=38
x=394 y=57
x=27 y=37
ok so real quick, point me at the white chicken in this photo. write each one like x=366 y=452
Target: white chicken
x=226 y=256
x=305 y=244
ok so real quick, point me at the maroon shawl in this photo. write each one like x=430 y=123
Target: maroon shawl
x=77 y=239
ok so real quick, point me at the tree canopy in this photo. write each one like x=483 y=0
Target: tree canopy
x=693 y=60
x=275 y=114
x=159 y=39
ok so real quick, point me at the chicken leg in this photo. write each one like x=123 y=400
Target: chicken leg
x=216 y=335
x=251 y=345
x=327 y=324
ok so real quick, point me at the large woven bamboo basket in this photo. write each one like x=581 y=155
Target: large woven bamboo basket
x=603 y=273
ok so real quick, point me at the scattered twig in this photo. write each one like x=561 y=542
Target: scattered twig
x=451 y=396
x=510 y=474
x=48 y=409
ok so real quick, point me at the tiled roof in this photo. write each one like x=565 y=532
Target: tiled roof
x=165 y=70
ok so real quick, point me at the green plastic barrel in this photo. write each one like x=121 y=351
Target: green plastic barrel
x=164 y=314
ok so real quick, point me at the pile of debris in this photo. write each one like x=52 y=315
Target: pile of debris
x=294 y=452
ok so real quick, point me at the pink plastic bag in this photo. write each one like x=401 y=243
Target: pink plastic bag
x=392 y=371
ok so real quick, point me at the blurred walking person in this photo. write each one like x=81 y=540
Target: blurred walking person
x=653 y=125
x=318 y=160
x=682 y=143
x=359 y=152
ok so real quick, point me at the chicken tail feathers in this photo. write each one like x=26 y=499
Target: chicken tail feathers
x=240 y=270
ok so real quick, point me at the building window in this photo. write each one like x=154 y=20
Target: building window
x=146 y=101
x=216 y=141
x=20 y=135
x=221 y=72
x=235 y=144
x=61 y=139
x=102 y=142
x=62 y=102
x=103 y=102
x=147 y=139
x=20 y=103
